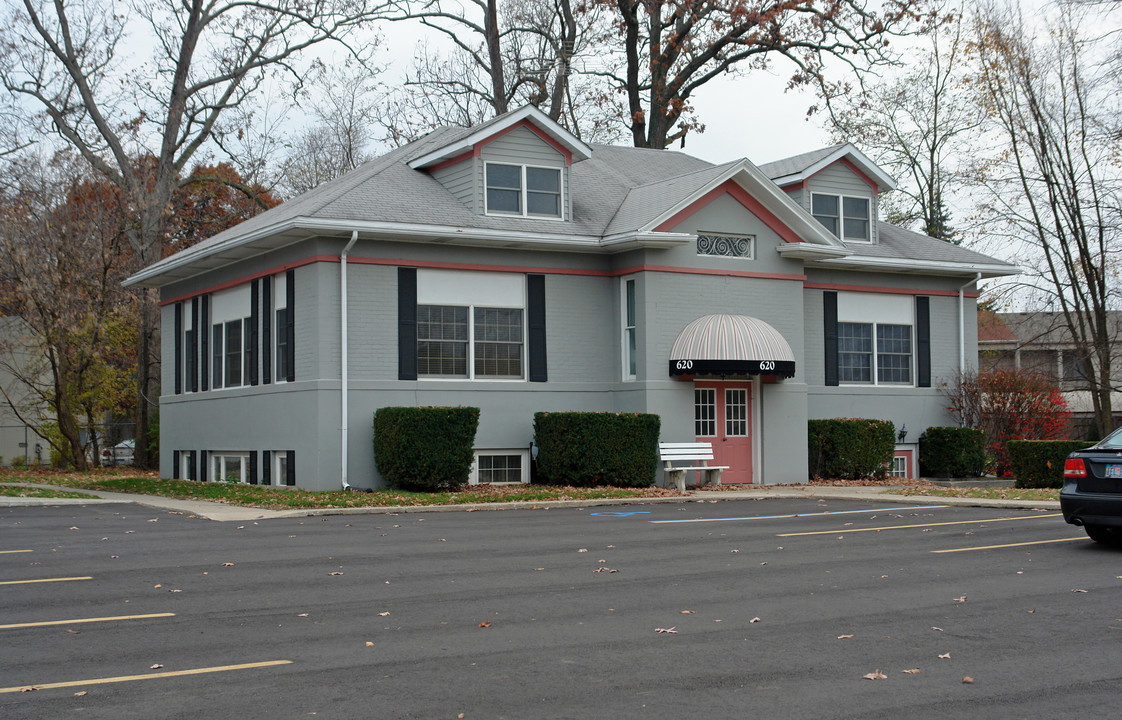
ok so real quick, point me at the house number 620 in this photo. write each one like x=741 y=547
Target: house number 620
x=767 y=364
x=684 y=364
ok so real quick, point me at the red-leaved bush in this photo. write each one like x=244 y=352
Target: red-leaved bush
x=1007 y=405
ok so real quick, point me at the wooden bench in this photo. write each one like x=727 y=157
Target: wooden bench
x=691 y=453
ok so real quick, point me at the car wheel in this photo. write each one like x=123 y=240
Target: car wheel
x=1104 y=535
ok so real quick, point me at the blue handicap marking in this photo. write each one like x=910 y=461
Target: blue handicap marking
x=621 y=514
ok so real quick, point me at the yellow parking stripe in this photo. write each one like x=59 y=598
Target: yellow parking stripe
x=9 y=552
x=148 y=676
x=85 y=620
x=920 y=525
x=991 y=547
x=43 y=580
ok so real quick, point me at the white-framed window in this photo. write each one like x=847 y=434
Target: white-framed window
x=525 y=190
x=876 y=344
x=230 y=467
x=185 y=465
x=278 y=468
x=230 y=335
x=705 y=412
x=899 y=466
x=280 y=335
x=723 y=245
x=500 y=467
x=848 y=218
x=630 y=347
x=471 y=325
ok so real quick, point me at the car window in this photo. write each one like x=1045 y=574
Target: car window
x=1113 y=440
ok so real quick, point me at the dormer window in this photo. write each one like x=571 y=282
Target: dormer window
x=523 y=190
x=850 y=215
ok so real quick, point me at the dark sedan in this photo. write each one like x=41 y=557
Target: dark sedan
x=1092 y=492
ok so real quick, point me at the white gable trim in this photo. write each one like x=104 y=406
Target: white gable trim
x=578 y=149
x=868 y=167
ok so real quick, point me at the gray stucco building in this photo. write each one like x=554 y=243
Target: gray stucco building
x=512 y=267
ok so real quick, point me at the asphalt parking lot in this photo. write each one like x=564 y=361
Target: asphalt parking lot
x=716 y=609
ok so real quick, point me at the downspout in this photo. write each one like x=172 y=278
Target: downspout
x=962 y=322
x=343 y=357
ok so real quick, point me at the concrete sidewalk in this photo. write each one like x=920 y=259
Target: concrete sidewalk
x=222 y=512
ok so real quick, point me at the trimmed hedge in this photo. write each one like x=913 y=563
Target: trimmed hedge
x=851 y=448
x=586 y=449
x=1040 y=463
x=952 y=452
x=427 y=449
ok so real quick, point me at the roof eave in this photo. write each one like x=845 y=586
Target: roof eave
x=925 y=267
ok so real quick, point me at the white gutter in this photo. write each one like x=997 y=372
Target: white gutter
x=962 y=323
x=343 y=358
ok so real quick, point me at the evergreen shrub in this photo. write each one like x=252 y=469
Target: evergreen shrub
x=586 y=449
x=952 y=452
x=850 y=448
x=1040 y=463
x=426 y=449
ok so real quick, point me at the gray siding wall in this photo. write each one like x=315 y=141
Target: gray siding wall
x=460 y=181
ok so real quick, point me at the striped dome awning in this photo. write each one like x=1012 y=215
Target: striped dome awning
x=731 y=345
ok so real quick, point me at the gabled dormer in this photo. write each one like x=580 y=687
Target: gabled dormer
x=839 y=186
x=515 y=166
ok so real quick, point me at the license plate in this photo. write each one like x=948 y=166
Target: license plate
x=1114 y=471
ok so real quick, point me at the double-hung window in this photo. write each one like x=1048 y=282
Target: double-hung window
x=846 y=217
x=630 y=351
x=523 y=190
x=874 y=350
x=231 y=338
x=471 y=325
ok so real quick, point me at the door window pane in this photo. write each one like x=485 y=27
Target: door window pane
x=705 y=412
x=736 y=412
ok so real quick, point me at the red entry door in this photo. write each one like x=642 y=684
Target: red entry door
x=723 y=416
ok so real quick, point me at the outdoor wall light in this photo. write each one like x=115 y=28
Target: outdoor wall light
x=902 y=434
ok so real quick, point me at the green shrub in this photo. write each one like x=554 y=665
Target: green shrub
x=952 y=452
x=426 y=449
x=850 y=447
x=585 y=449
x=1040 y=463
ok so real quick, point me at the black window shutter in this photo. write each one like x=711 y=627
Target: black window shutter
x=266 y=467
x=254 y=324
x=252 y=467
x=192 y=466
x=193 y=349
x=406 y=323
x=535 y=312
x=830 y=315
x=923 y=341
x=290 y=323
x=178 y=343
x=202 y=466
x=266 y=330
x=174 y=464
x=203 y=331
x=291 y=462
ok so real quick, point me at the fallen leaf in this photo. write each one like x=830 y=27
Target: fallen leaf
x=937 y=629
x=669 y=631
x=754 y=620
x=960 y=599
x=485 y=624
x=157 y=666
x=968 y=680
x=74 y=528
x=844 y=637
x=29 y=689
x=302 y=615
x=913 y=671
x=583 y=550
x=875 y=675
x=460 y=716
x=945 y=656
x=157 y=587
x=384 y=614
x=601 y=561
x=227 y=564
x=1078 y=590
x=154 y=520
x=369 y=644
x=334 y=573
x=686 y=612
x=736 y=551
x=74 y=632
x=539 y=569
x=80 y=694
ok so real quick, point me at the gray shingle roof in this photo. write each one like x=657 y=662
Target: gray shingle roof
x=614 y=191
